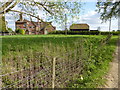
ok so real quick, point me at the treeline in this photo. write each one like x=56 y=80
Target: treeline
x=85 y=32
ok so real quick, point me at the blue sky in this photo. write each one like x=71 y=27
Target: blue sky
x=91 y=17
x=87 y=15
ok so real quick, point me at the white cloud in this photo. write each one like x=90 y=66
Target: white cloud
x=93 y=19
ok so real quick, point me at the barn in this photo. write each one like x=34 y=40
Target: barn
x=79 y=27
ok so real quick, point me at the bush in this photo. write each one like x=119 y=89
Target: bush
x=116 y=33
x=20 y=31
x=17 y=30
x=76 y=32
x=85 y=32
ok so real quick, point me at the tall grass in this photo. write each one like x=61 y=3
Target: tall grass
x=19 y=52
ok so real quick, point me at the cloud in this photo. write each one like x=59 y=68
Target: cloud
x=93 y=19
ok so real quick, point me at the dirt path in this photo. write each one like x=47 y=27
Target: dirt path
x=112 y=76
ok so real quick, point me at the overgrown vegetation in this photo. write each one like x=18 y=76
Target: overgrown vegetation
x=96 y=67
x=26 y=50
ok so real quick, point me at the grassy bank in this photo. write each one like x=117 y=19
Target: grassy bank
x=97 y=67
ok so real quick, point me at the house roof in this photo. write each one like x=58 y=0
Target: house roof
x=24 y=21
x=35 y=23
x=79 y=26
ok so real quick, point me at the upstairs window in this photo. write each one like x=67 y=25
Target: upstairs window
x=24 y=25
x=18 y=26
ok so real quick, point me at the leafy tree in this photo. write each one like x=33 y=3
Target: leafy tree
x=2 y=24
x=113 y=30
x=108 y=9
x=54 y=10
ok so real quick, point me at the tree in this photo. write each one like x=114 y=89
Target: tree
x=7 y=6
x=108 y=9
x=54 y=10
x=3 y=25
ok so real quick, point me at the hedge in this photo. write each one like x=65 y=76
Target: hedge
x=84 y=32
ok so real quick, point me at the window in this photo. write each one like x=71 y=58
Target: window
x=18 y=26
x=31 y=26
x=24 y=24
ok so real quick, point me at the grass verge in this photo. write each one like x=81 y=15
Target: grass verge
x=96 y=68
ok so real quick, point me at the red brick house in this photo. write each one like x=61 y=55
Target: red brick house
x=32 y=27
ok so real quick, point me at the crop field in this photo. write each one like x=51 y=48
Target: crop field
x=47 y=61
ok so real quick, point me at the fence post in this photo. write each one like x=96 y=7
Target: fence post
x=53 y=74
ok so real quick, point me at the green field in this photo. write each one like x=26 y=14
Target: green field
x=95 y=56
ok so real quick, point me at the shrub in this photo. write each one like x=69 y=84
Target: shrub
x=85 y=32
x=76 y=32
x=20 y=31
x=17 y=30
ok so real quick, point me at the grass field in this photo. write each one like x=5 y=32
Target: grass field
x=95 y=57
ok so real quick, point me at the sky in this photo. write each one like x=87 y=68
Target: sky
x=87 y=15
x=91 y=17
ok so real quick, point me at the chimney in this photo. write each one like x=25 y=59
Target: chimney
x=21 y=18
x=38 y=22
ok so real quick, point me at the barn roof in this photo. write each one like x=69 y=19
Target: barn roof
x=79 y=26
